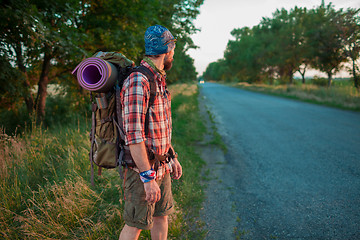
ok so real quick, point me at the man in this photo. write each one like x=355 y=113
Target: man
x=148 y=197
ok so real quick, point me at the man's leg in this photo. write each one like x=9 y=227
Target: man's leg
x=160 y=228
x=129 y=233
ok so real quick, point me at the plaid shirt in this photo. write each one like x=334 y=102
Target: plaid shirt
x=135 y=97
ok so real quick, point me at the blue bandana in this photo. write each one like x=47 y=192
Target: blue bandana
x=158 y=40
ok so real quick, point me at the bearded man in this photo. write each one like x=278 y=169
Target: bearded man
x=148 y=129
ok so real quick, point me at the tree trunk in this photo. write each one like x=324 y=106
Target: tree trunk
x=29 y=101
x=303 y=77
x=291 y=76
x=329 y=78
x=355 y=76
x=271 y=81
x=303 y=74
x=42 y=91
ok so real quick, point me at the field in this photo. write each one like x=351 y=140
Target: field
x=45 y=188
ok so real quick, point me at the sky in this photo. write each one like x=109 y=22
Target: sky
x=218 y=18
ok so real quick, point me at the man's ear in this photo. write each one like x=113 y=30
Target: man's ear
x=168 y=53
x=165 y=56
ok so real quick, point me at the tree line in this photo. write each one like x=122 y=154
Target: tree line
x=321 y=38
x=41 y=41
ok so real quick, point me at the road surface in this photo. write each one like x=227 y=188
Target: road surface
x=292 y=170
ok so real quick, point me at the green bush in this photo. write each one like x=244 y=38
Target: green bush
x=319 y=81
x=61 y=109
x=65 y=108
x=14 y=121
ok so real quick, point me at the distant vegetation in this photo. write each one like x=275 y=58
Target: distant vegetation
x=292 y=41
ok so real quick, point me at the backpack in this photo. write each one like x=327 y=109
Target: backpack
x=108 y=149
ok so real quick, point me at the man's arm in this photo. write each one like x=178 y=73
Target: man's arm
x=139 y=154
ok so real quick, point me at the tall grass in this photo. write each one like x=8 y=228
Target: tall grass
x=188 y=192
x=341 y=95
x=41 y=178
x=45 y=190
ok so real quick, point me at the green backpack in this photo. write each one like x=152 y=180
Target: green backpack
x=108 y=148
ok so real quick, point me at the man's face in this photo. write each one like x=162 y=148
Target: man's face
x=168 y=61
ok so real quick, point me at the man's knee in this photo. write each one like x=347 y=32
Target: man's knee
x=128 y=233
x=160 y=228
x=160 y=219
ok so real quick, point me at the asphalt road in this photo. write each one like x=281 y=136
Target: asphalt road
x=292 y=170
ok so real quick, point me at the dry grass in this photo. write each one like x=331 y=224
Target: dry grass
x=55 y=209
x=12 y=150
x=184 y=89
x=343 y=96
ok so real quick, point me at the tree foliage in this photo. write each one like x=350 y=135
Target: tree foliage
x=292 y=41
x=348 y=27
x=324 y=40
x=43 y=40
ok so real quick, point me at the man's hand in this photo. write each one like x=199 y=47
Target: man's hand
x=152 y=190
x=177 y=169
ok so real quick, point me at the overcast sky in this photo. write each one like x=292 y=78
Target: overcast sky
x=218 y=18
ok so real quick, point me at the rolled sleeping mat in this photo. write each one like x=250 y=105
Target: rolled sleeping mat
x=96 y=75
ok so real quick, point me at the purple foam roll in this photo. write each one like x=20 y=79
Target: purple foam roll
x=96 y=75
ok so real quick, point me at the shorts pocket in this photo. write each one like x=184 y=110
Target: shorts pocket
x=139 y=215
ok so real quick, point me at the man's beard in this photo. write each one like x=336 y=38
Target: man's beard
x=168 y=64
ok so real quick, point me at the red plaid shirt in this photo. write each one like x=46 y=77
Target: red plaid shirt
x=134 y=99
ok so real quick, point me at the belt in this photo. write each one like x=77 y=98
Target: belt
x=154 y=159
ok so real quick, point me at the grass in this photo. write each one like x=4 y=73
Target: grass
x=341 y=95
x=239 y=233
x=216 y=138
x=45 y=188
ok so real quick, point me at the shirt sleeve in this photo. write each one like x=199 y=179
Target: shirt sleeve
x=134 y=100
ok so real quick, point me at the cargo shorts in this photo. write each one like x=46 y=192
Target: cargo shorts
x=137 y=211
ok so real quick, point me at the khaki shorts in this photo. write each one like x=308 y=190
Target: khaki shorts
x=137 y=211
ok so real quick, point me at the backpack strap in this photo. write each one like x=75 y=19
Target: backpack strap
x=150 y=76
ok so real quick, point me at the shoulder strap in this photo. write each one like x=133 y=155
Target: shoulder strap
x=150 y=76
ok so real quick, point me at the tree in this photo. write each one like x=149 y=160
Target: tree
x=286 y=50
x=303 y=52
x=274 y=47
x=183 y=69
x=119 y=25
x=348 y=27
x=16 y=23
x=43 y=40
x=244 y=55
x=216 y=71
x=47 y=38
x=325 y=41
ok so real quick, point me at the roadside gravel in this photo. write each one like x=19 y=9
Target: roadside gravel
x=220 y=220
